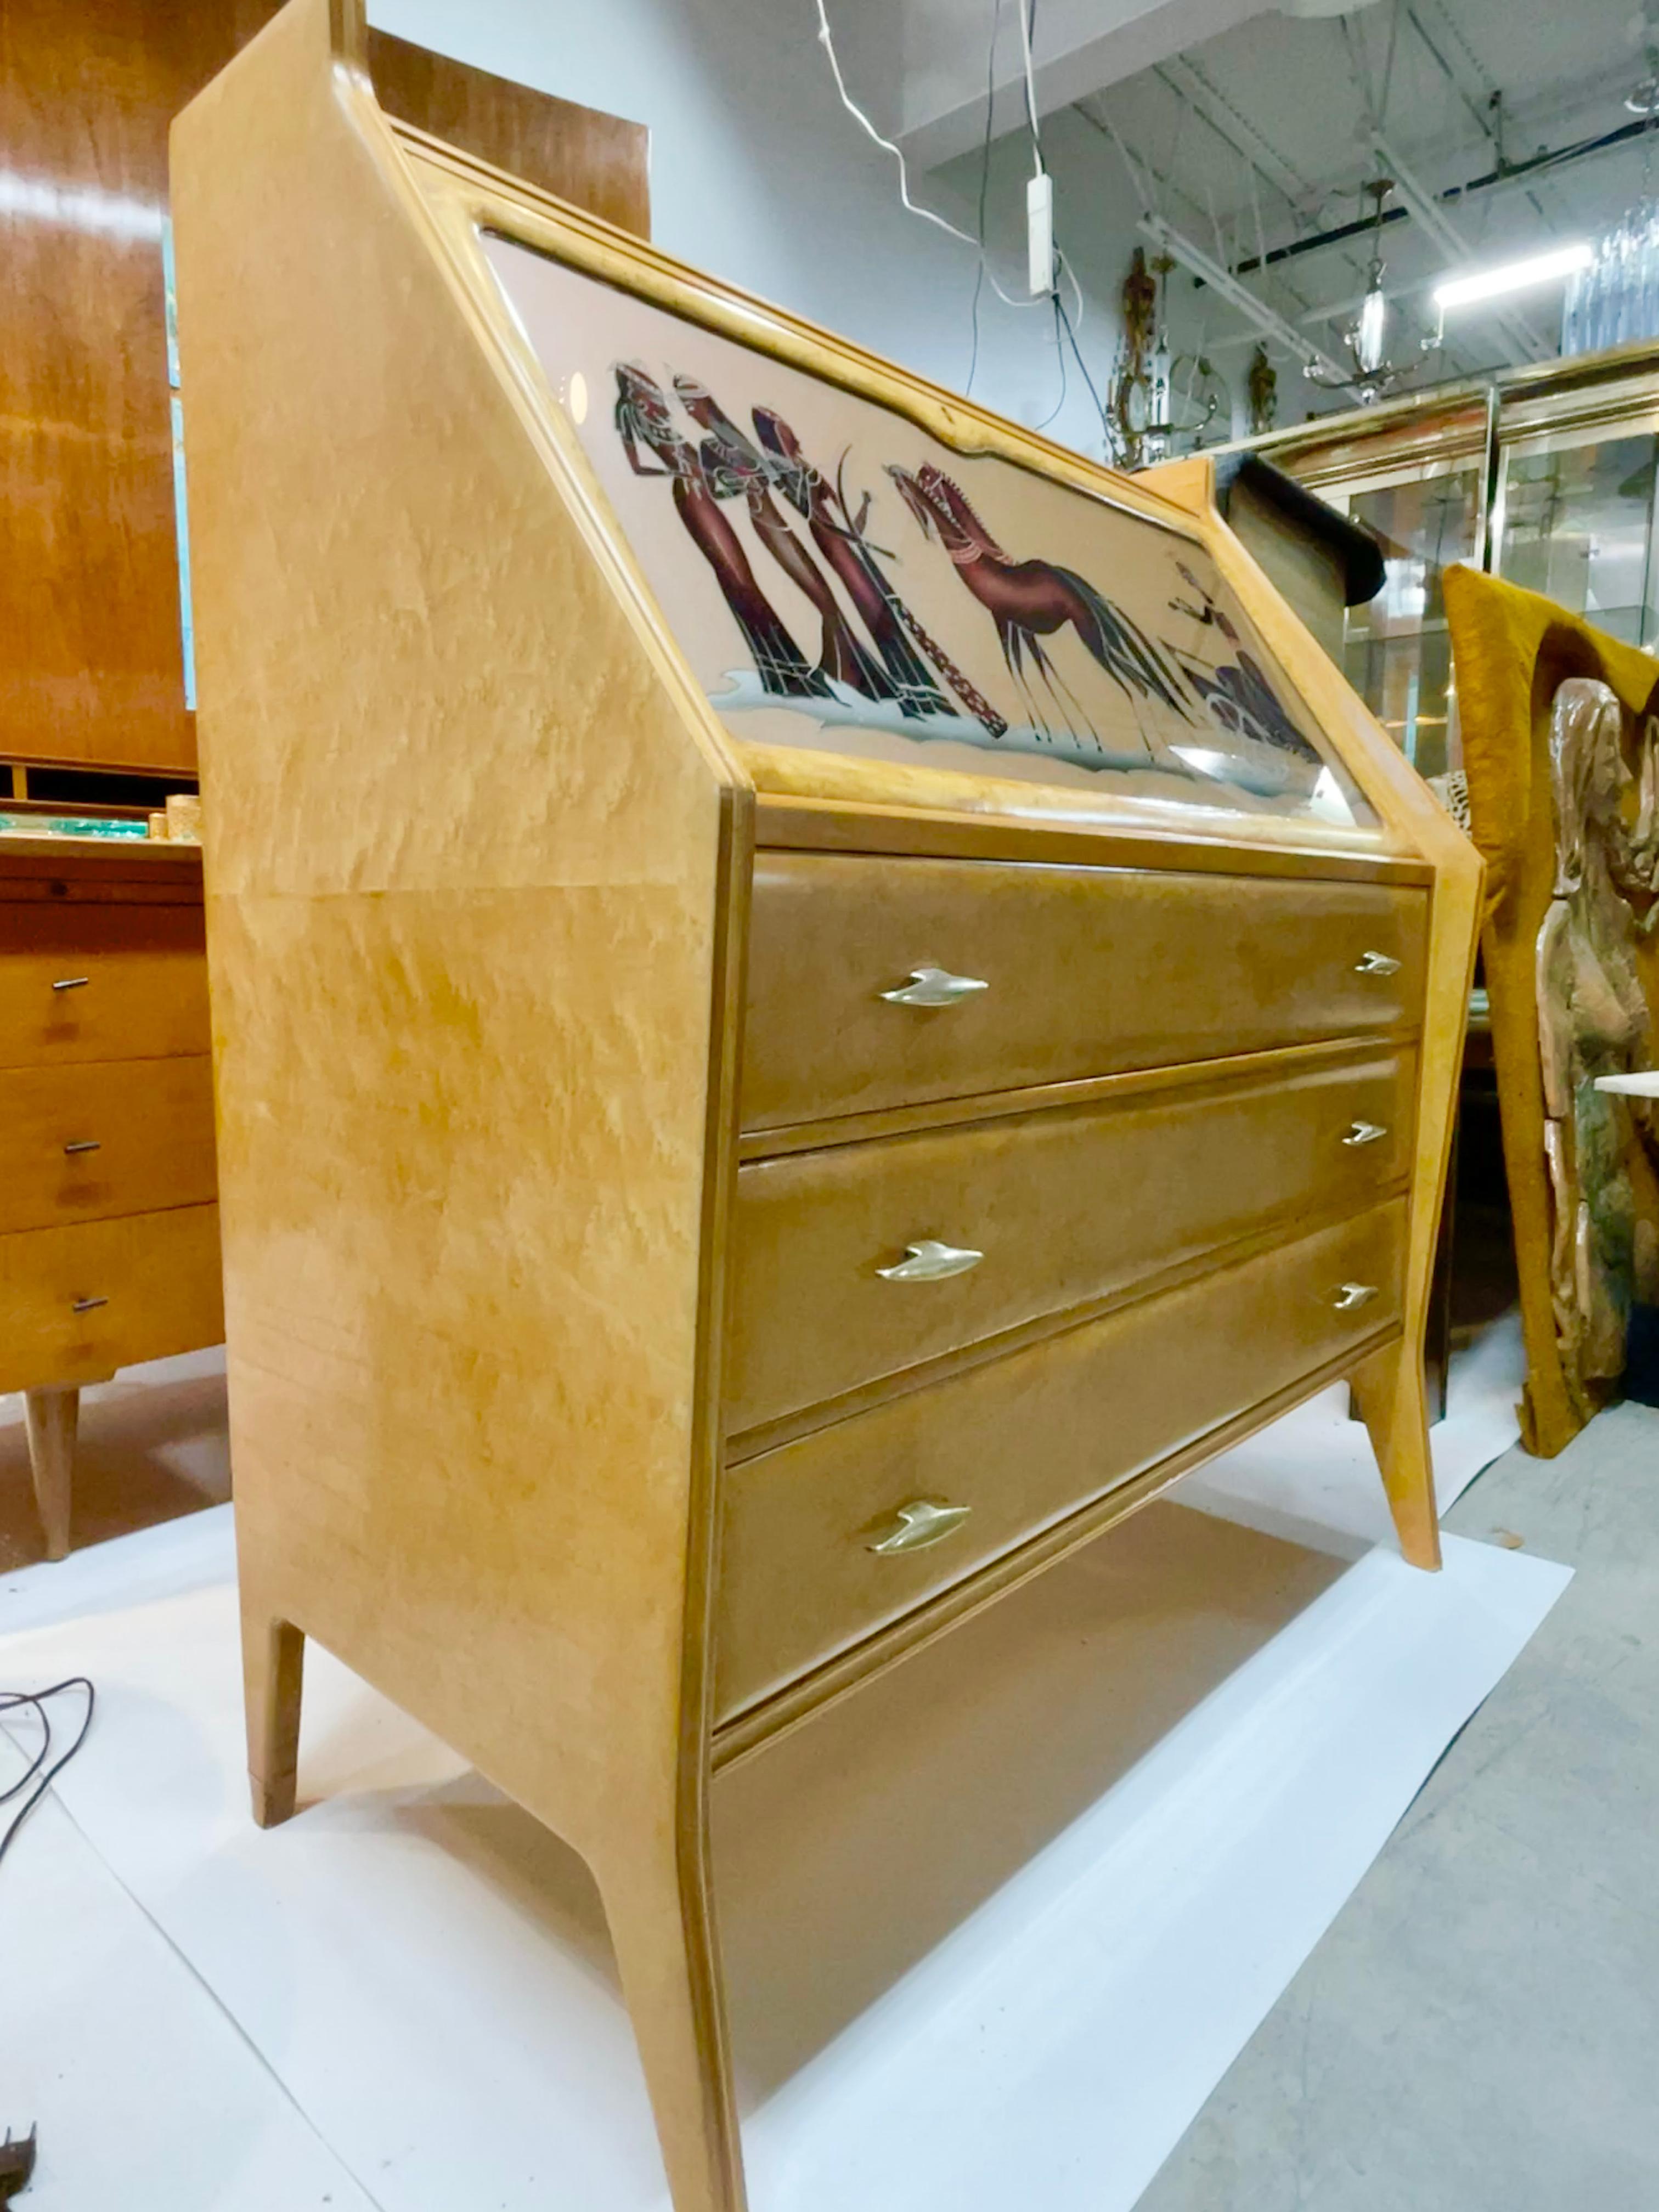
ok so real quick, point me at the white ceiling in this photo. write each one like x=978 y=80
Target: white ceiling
x=1248 y=126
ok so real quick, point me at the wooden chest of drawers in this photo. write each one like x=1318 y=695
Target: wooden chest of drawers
x=109 y=1236
x=733 y=1159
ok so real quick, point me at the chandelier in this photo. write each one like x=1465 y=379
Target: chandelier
x=1158 y=397
x=1368 y=371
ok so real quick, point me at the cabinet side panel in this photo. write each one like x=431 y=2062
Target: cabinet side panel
x=463 y=884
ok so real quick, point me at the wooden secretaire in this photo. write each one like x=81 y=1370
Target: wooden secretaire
x=814 y=997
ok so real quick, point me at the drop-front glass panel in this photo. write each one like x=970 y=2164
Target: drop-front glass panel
x=838 y=580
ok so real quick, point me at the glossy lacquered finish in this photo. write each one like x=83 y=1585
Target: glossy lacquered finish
x=1068 y=1207
x=93 y=670
x=1086 y=971
x=596 y=161
x=1022 y=1441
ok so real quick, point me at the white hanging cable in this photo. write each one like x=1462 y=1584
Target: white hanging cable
x=1027 y=9
x=1063 y=272
x=826 y=39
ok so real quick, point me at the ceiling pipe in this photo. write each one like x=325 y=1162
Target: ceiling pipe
x=1516 y=173
x=1421 y=204
x=1227 y=287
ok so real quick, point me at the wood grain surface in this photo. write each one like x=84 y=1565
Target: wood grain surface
x=156 y=1276
x=1085 y=972
x=490 y=944
x=1020 y=1442
x=1069 y=1207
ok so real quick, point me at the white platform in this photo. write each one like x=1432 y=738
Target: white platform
x=994 y=1927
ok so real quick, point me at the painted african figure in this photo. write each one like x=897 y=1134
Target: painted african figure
x=839 y=537
x=644 y=420
x=1235 y=692
x=1030 y=600
x=734 y=468
x=1594 y=1019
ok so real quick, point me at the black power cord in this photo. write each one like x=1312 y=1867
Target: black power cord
x=42 y=1769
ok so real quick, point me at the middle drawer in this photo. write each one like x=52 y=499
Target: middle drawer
x=1060 y=1208
x=90 y=1140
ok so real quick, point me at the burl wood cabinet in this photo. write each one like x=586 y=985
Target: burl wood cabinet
x=109 y=1236
x=814 y=997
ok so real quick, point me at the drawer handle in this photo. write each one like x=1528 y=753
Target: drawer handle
x=89 y=1305
x=84 y=1144
x=1376 y=963
x=1353 y=1294
x=923 y=1521
x=928 y=1261
x=1365 y=1133
x=934 y=986
x=72 y=983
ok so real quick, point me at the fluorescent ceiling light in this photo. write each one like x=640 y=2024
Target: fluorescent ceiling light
x=1487 y=283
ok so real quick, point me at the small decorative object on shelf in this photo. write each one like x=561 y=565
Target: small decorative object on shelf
x=69 y=826
x=1262 y=388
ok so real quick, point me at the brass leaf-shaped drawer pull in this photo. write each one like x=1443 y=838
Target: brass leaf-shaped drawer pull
x=928 y=1261
x=934 y=986
x=923 y=1521
x=1353 y=1294
x=1376 y=963
x=1365 y=1133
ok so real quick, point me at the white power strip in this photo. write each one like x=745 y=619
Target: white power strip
x=1040 y=232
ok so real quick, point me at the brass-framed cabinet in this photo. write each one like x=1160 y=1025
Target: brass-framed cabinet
x=814 y=997
x=1545 y=475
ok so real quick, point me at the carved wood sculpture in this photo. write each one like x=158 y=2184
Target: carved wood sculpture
x=1560 y=765
x=734 y=1157
x=1593 y=1020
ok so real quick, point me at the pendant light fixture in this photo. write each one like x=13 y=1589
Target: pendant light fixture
x=1368 y=371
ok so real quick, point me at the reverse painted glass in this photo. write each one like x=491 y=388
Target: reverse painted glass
x=838 y=580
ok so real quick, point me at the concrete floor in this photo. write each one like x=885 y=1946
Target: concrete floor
x=1479 y=2030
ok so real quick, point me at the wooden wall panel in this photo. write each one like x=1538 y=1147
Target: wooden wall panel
x=91 y=659
x=91 y=668
x=598 y=162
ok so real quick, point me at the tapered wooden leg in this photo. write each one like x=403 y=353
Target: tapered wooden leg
x=1388 y=1393
x=273 y=1661
x=662 y=1928
x=52 y=1417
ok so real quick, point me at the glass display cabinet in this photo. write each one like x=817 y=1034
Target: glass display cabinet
x=1545 y=475
x=1395 y=650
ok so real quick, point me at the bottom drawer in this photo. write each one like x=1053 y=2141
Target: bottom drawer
x=79 y=1301
x=1020 y=1442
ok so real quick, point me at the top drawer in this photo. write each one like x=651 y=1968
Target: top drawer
x=107 y=983
x=1082 y=972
